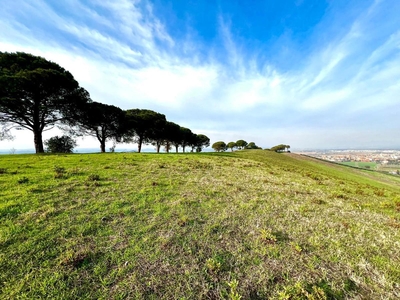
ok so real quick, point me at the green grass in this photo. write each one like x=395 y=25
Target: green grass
x=385 y=168
x=357 y=164
x=243 y=225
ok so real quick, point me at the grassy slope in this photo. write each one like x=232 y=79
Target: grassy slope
x=254 y=224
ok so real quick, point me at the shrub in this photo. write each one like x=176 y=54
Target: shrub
x=60 y=144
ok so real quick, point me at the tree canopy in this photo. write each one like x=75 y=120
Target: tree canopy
x=252 y=145
x=241 y=144
x=231 y=145
x=201 y=141
x=36 y=94
x=101 y=121
x=172 y=135
x=219 y=146
x=143 y=125
x=280 y=148
x=186 y=137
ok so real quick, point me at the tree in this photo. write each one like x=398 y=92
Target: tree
x=167 y=147
x=172 y=136
x=186 y=137
x=252 y=145
x=280 y=148
x=231 y=145
x=176 y=138
x=101 y=121
x=36 y=94
x=141 y=126
x=62 y=144
x=182 y=137
x=201 y=141
x=219 y=146
x=160 y=134
x=241 y=144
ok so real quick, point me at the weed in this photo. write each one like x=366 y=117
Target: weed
x=215 y=228
x=233 y=293
x=380 y=192
x=183 y=221
x=302 y=291
x=393 y=223
x=314 y=176
x=23 y=180
x=75 y=171
x=360 y=191
x=213 y=265
x=93 y=177
x=318 y=201
x=59 y=172
x=298 y=248
x=273 y=251
x=267 y=236
x=339 y=195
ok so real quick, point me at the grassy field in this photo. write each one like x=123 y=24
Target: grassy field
x=357 y=164
x=373 y=166
x=389 y=168
x=243 y=225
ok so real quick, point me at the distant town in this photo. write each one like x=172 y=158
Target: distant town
x=380 y=160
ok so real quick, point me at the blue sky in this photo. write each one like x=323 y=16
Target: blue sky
x=308 y=73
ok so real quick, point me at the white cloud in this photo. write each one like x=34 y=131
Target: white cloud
x=130 y=60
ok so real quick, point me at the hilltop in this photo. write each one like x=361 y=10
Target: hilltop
x=244 y=225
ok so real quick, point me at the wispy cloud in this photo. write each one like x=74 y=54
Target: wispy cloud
x=123 y=54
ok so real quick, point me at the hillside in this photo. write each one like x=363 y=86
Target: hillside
x=242 y=225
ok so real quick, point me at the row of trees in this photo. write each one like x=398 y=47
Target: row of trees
x=141 y=126
x=240 y=144
x=37 y=94
x=280 y=148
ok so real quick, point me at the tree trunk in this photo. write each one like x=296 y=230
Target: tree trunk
x=38 y=140
x=37 y=129
x=183 y=148
x=102 y=140
x=158 y=147
x=140 y=144
x=167 y=145
x=103 y=146
x=176 y=147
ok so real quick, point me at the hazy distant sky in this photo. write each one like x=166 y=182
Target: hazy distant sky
x=308 y=73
